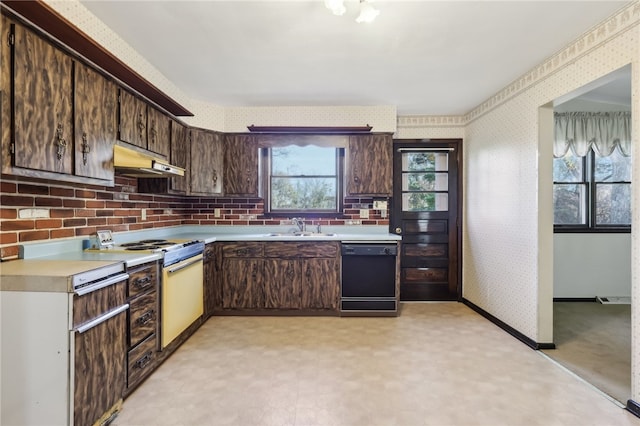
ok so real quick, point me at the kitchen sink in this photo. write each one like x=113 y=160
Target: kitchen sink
x=300 y=234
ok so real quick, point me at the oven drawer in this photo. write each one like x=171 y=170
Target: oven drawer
x=141 y=360
x=142 y=279
x=143 y=318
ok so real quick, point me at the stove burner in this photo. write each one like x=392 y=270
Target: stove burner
x=154 y=242
x=142 y=247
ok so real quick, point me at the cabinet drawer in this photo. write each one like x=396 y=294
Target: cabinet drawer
x=243 y=250
x=301 y=249
x=142 y=279
x=141 y=360
x=143 y=317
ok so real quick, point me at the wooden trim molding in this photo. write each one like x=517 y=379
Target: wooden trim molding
x=48 y=20
x=512 y=331
x=309 y=130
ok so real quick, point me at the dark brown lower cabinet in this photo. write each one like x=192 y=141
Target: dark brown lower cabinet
x=212 y=261
x=281 y=275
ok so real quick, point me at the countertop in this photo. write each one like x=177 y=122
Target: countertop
x=45 y=275
x=61 y=259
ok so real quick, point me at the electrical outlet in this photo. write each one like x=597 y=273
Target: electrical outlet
x=216 y=212
x=143 y=213
x=364 y=213
x=380 y=205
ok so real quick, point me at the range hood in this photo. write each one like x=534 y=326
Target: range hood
x=129 y=162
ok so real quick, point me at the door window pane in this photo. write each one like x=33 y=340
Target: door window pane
x=425 y=202
x=425 y=181
x=425 y=161
x=613 y=204
x=569 y=204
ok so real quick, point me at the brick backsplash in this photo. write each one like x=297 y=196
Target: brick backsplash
x=32 y=209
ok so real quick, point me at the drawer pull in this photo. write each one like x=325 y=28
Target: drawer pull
x=145 y=318
x=143 y=282
x=144 y=361
x=242 y=252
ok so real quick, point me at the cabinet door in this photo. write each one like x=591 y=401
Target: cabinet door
x=212 y=278
x=180 y=157
x=42 y=104
x=243 y=283
x=206 y=162
x=96 y=100
x=132 y=120
x=159 y=133
x=282 y=283
x=320 y=283
x=369 y=165
x=241 y=165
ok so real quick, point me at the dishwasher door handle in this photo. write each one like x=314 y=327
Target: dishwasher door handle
x=97 y=321
x=184 y=265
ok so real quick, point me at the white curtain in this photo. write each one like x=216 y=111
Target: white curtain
x=601 y=130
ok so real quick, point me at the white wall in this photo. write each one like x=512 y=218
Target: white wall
x=589 y=265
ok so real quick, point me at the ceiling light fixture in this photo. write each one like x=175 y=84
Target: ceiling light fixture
x=367 y=12
x=335 y=6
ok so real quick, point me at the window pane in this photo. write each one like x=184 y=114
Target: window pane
x=613 y=204
x=614 y=168
x=568 y=168
x=425 y=202
x=303 y=161
x=425 y=181
x=425 y=161
x=303 y=193
x=569 y=204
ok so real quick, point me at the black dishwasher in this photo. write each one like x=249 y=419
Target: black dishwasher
x=369 y=279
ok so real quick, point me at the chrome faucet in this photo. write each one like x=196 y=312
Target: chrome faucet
x=299 y=222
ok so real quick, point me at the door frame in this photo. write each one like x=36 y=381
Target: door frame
x=457 y=144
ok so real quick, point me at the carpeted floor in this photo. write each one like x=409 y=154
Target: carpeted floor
x=594 y=341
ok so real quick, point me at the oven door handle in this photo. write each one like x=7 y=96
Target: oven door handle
x=101 y=284
x=97 y=321
x=184 y=265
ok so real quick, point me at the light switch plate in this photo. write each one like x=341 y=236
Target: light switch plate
x=380 y=205
x=364 y=213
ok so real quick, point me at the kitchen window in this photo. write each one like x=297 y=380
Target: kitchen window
x=302 y=179
x=592 y=193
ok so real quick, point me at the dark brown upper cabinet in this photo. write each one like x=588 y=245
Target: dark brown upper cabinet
x=96 y=108
x=241 y=165
x=180 y=157
x=41 y=80
x=206 y=162
x=370 y=165
x=159 y=132
x=132 y=120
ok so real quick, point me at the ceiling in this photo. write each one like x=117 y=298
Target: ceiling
x=424 y=57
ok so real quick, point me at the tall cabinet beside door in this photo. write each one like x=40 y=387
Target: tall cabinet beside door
x=370 y=165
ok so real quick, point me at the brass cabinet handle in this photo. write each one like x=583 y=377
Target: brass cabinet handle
x=62 y=143
x=141 y=125
x=143 y=282
x=153 y=131
x=398 y=230
x=215 y=177
x=145 y=318
x=86 y=149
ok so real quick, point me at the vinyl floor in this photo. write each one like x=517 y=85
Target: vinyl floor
x=436 y=364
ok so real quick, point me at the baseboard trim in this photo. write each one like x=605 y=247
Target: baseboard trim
x=575 y=299
x=633 y=407
x=506 y=327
